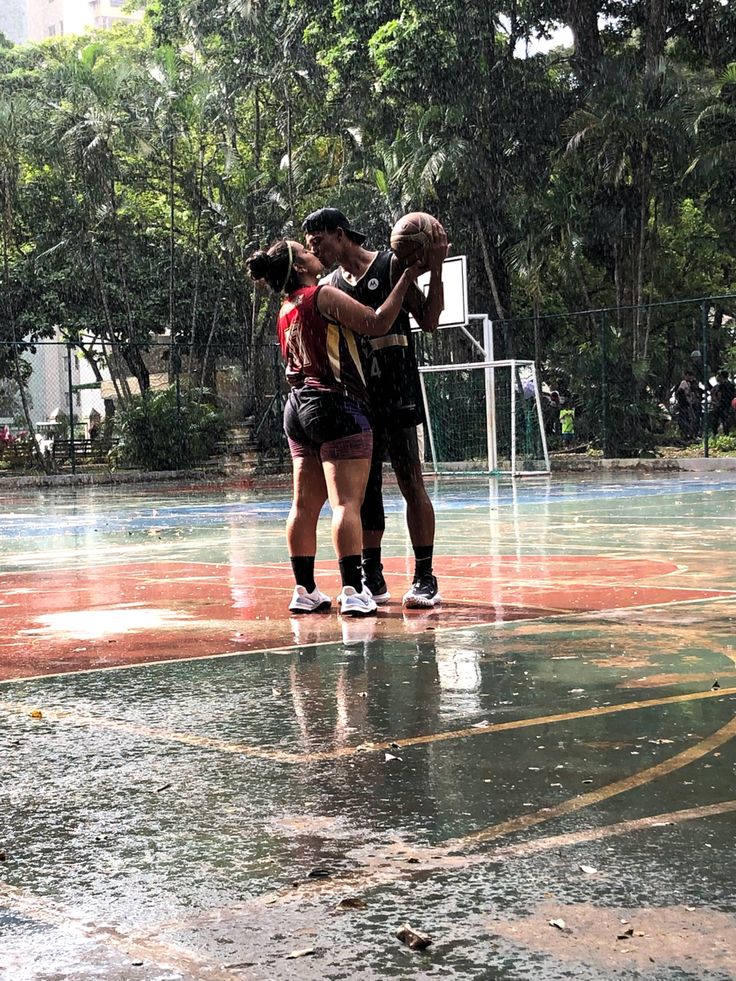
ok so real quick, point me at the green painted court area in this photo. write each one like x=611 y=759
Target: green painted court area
x=540 y=774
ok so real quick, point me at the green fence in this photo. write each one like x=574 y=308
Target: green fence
x=641 y=381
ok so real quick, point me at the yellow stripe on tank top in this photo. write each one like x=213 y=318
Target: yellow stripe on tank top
x=353 y=349
x=333 y=349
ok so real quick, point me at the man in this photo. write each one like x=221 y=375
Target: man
x=722 y=395
x=396 y=404
x=688 y=409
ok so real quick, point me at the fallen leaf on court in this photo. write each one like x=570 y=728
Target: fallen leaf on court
x=626 y=934
x=587 y=781
x=690 y=909
x=362 y=694
x=37 y=714
x=414 y=939
x=394 y=746
x=576 y=691
x=387 y=757
x=352 y=902
x=276 y=692
x=319 y=873
x=481 y=725
x=715 y=686
x=588 y=869
x=300 y=953
x=662 y=742
x=559 y=924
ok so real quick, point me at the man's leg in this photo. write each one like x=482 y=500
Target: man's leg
x=420 y=519
x=373 y=520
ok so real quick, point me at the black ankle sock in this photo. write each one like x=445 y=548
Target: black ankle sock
x=350 y=572
x=423 y=560
x=372 y=559
x=303 y=567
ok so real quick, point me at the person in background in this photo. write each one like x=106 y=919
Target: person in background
x=688 y=405
x=567 y=421
x=721 y=411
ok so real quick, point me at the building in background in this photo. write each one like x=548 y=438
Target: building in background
x=57 y=18
x=13 y=20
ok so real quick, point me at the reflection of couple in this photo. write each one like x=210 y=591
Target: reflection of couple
x=354 y=398
x=366 y=694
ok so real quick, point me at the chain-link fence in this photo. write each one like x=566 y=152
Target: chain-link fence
x=648 y=380
x=616 y=382
x=85 y=407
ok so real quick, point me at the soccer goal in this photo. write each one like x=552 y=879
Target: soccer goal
x=483 y=415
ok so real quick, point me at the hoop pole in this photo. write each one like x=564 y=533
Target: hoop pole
x=430 y=431
x=513 y=418
x=490 y=388
x=540 y=416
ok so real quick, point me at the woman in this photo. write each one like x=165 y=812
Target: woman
x=325 y=419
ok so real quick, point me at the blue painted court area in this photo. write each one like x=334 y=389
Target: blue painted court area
x=539 y=775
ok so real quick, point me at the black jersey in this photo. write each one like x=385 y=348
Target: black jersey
x=392 y=377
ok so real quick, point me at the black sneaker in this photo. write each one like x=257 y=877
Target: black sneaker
x=423 y=593
x=373 y=580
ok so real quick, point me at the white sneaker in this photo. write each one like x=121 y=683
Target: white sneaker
x=354 y=604
x=304 y=602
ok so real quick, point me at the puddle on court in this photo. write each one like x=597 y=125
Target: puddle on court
x=173 y=806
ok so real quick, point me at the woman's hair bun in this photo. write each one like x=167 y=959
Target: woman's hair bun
x=259 y=265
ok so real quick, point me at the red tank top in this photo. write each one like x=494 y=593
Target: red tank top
x=317 y=352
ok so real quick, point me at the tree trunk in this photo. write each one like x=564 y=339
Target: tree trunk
x=656 y=33
x=172 y=340
x=582 y=17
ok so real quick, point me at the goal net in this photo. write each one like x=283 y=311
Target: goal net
x=484 y=417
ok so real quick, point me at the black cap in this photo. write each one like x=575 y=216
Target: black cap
x=329 y=220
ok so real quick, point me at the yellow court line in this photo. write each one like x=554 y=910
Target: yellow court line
x=437 y=860
x=283 y=756
x=170 y=957
x=525 y=849
x=639 y=779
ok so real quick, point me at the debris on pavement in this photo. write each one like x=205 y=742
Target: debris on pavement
x=414 y=939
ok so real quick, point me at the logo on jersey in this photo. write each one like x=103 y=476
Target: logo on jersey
x=372 y=284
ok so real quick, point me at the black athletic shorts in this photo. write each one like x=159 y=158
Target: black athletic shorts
x=313 y=418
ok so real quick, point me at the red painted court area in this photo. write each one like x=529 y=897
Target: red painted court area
x=107 y=616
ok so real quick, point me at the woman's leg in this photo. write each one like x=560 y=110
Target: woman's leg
x=346 y=480
x=310 y=493
x=346 y=464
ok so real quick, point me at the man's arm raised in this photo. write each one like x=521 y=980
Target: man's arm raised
x=426 y=310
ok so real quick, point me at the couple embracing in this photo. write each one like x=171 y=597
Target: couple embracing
x=354 y=400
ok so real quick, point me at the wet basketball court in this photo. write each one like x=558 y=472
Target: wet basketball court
x=540 y=774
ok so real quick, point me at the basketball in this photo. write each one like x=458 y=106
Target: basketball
x=411 y=235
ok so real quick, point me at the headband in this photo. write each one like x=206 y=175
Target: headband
x=291 y=262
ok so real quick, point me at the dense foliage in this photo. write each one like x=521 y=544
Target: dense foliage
x=138 y=166
x=165 y=430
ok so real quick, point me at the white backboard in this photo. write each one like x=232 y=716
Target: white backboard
x=455 y=284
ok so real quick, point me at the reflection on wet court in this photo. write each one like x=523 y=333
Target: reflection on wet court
x=539 y=774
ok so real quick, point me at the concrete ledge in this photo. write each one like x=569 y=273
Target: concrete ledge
x=651 y=464
x=105 y=478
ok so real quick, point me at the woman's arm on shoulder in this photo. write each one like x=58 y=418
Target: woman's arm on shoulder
x=343 y=309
